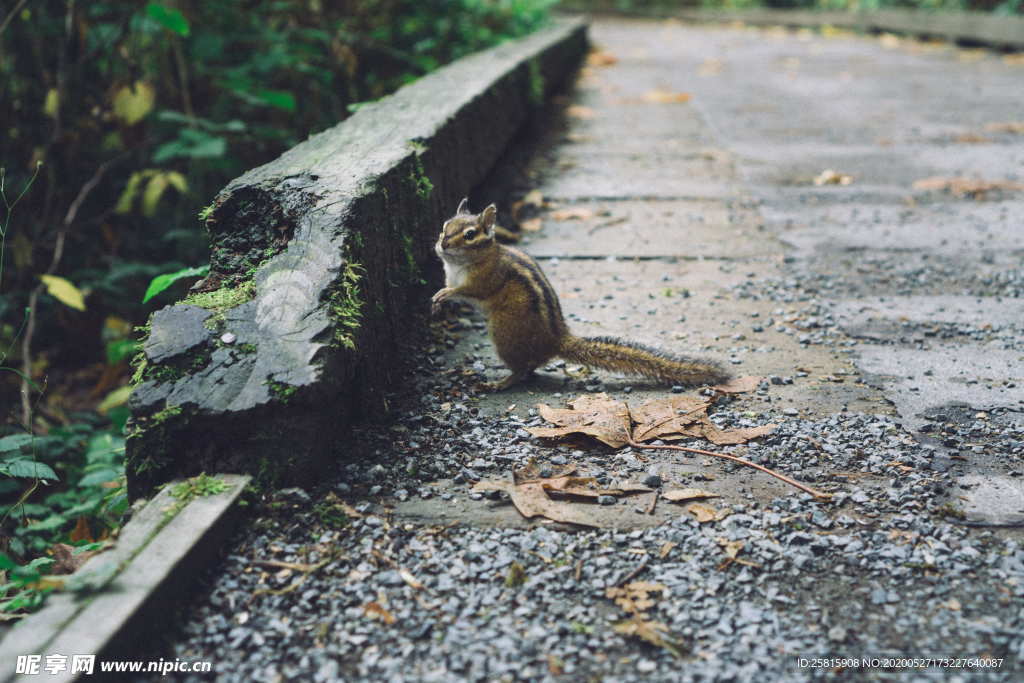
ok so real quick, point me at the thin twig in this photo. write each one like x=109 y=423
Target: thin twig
x=633 y=574
x=792 y=482
x=10 y=15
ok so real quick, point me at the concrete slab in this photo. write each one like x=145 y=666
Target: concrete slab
x=680 y=229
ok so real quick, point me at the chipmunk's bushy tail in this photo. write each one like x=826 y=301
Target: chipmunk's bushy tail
x=630 y=358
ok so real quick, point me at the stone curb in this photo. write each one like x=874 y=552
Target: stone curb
x=319 y=262
x=158 y=552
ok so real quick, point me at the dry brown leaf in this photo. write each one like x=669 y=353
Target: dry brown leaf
x=531 y=224
x=580 y=112
x=574 y=214
x=666 y=548
x=374 y=610
x=635 y=597
x=711 y=67
x=665 y=416
x=703 y=513
x=601 y=58
x=599 y=416
x=731 y=437
x=81 y=532
x=532 y=501
x=738 y=385
x=64 y=559
x=1006 y=127
x=974 y=188
x=830 y=177
x=678 y=495
x=654 y=632
x=1015 y=59
x=972 y=139
x=666 y=97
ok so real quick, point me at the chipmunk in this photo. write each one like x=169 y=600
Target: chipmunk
x=525 y=318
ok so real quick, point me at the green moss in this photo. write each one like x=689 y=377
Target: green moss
x=418 y=177
x=220 y=300
x=206 y=212
x=199 y=486
x=412 y=269
x=536 y=83
x=281 y=390
x=165 y=414
x=346 y=306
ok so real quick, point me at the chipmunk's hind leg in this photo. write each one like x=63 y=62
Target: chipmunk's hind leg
x=510 y=381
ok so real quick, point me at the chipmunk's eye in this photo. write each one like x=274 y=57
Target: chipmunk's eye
x=469 y=234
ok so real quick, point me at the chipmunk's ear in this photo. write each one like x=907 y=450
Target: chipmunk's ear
x=487 y=216
x=463 y=207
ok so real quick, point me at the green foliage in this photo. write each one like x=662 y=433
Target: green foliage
x=162 y=282
x=86 y=459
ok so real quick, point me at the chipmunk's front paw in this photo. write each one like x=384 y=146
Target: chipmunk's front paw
x=438 y=300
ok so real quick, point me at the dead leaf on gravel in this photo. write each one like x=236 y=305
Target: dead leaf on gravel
x=531 y=224
x=666 y=548
x=599 y=416
x=975 y=188
x=411 y=580
x=373 y=610
x=580 y=112
x=664 y=416
x=601 y=58
x=972 y=139
x=1016 y=127
x=660 y=96
x=710 y=67
x=831 y=177
x=1015 y=59
x=678 y=495
x=738 y=385
x=574 y=214
x=635 y=597
x=732 y=437
x=703 y=513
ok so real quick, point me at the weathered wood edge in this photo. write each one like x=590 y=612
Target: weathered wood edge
x=159 y=551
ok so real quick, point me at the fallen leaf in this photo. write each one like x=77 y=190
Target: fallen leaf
x=635 y=597
x=711 y=67
x=601 y=58
x=972 y=139
x=703 y=513
x=81 y=532
x=65 y=561
x=974 y=188
x=731 y=437
x=738 y=385
x=574 y=214
x=531 y=224
x=677 y=495
x=666 y=97
x=1016 y=59
x=374 y=610
x=532 y=501
x=666 y=548
x=830 y=177
x=555 y=665
x=580 y=112
x=599 y=416
x=666 y=416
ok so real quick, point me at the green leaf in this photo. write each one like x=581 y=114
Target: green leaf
x=162 y=282
x=14 y=442
x=6 y=563
x=191 y=144
x=117 y=397
x=49 y=524
x=101 y=476
x=170 y=18
x=119 y=349
x=281 y=99
x=29 y=469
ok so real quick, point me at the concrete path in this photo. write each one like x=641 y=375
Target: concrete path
x=695 y=154
x=887 y=317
